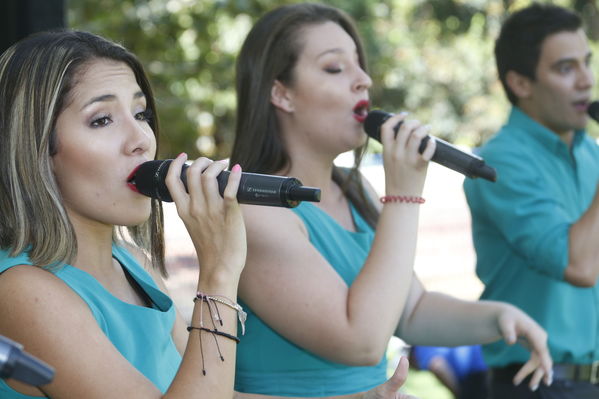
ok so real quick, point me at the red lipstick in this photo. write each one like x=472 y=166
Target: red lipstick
x=361 y=110
x=131 y=180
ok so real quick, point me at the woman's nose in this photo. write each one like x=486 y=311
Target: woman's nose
x=363 y=80
x=140 y=136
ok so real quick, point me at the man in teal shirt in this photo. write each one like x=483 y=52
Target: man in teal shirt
x=536 y=230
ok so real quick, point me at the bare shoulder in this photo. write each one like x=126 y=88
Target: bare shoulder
x=38 y=309
x=28 y=284
x=29 y=294
x=54 y=324
x=266 y=220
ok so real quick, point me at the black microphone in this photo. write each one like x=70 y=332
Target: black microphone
x=254 y=188
x=593 y=110
x=445 y=154
x=20 y=365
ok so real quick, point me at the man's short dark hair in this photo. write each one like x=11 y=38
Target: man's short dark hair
x=518 y=46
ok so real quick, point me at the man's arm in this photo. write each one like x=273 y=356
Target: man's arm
x=583 y=265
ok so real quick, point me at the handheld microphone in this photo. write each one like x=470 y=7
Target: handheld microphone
x=254 y=188
x=18 y=364
x=445 y=154
x=593 y=110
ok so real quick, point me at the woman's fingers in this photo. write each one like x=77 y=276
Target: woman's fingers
x=230 y=193
x=399 y=377
x=389 y=390
x=210 y=188
x=388 y=134
x=538 y=373
x=404 y=136
x=408 y=138
x=515 y=327
x=418 y=133
x=173 y=180
x=429 y=149
x=534 y=338
x=536 y=379
x=194 y=178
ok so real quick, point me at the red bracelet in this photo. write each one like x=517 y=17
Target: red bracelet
x=402 y=198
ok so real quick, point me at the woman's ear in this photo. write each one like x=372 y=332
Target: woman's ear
x=519 y=84
x=280 y=97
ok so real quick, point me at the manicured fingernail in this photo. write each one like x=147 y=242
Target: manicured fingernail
x=236 y=168
x=181 y=154
x=534 y=387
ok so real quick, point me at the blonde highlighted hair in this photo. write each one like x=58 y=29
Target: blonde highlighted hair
x=37 y=76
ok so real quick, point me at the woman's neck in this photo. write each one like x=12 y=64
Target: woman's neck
x=94 y=244
x=315 y=172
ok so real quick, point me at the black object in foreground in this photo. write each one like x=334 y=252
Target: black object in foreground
x=593 y=110
x=254 y=188
x=445 y=154
x=20 y=365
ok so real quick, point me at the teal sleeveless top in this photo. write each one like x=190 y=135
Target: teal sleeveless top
x=269 y=364
x=141 y=334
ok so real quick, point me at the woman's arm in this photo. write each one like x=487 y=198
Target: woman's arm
x=432 y=318
x=217 y=231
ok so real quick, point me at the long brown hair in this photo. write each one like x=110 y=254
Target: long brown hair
x=270 y=52
x=37 y=76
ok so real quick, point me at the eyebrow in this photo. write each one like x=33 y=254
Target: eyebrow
x=567 y=60
x=110 y=97
x=333 y=50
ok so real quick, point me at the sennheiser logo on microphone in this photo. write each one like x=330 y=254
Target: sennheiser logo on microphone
x=261 y=190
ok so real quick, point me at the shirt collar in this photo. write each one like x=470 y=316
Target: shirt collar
x=540 y=133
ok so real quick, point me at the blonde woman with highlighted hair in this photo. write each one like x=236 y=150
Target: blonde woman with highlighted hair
x=77 y=116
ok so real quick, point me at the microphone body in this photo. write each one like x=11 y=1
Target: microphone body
x=18 y=364
x=445 y=154
x=593 y=110
x=254 y=188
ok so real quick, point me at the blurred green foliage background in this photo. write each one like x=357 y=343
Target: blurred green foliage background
x=433 y=58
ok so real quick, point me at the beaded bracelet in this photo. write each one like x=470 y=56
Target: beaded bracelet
x=215 y=331
x=241 y=314
x=402 y=198
x=215 y=317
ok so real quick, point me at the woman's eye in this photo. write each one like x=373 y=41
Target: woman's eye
x=333 y=70
x=145 y=115
x=101 y=122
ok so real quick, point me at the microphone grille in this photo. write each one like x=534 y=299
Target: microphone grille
x=373 y=122
x=149 y=179
x=593 y=110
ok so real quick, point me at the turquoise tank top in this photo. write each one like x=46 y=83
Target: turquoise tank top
x=269 y=364
x=141 y=334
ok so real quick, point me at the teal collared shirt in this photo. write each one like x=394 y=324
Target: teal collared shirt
x=520 y=229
